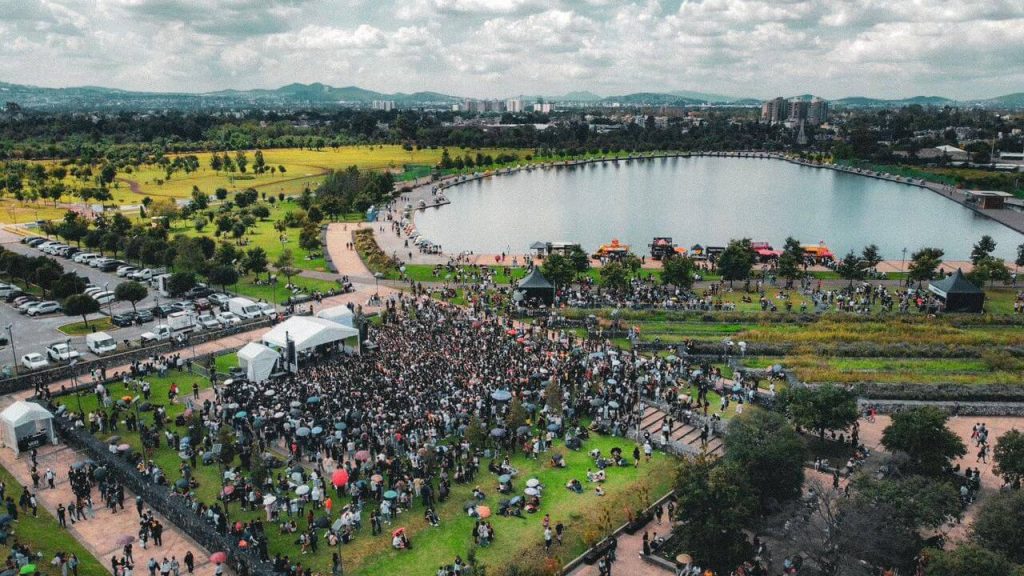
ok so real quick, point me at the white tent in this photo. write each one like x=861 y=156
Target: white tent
x=25 y=420
x=307 y=333
x=340 y=314
x=258 y=361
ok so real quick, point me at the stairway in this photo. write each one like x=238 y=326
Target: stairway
x=683 y=433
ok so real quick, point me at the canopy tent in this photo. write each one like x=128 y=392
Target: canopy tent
x=258 y=361
x=307 y=333
x=26 y=424
x=958 y=294
x=535 y=285
x=340 y=314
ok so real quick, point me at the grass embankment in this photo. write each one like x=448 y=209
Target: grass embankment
x=102 y=324
x=973 y=178
x=43 y=535
x=586 y=516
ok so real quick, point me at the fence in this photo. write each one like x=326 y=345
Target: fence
x=161 y=499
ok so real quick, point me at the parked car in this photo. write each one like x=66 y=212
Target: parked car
x=34 y=361
x=201 y=304
x=84 y=257
x=18 y=301
x=228 y=318
x=268 y=309
x=61 y=352
x=110 y=266
x=208 y=322
x=143 y=316
x=14 y=295
x=97 y=262
x=219 y=299
x=198 y=292
x=48 y=307
x=71 y=251
x=103 y=297
x=30 y=239
x=24 y=306
x=144 y=274
x=125 y=270
x=93 y=290
x=163 y=310
x=123 y=319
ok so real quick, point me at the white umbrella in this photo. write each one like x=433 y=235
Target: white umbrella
x=532 y=483
x=302 y=490
x=269 y=499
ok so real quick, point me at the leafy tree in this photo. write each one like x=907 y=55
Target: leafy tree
x=255 y=261
x=112 y=242
x=789 y=268
x=736 y=261
x=199 y=199
x=223 y=275
x=922 y=434
x=285 y=264
x=870 y=257
x=131 y=292
x=716 y=504
x=558 y=269
x=850 y=267
x=580 y=260
x=220 y=193
x=677 y=270
x=165 y=208
x=553 y=397
x=989 y=269
x=46 y=275
x=1019 y=262
x=982 y=249
x=261 y=212
x=475 y=433
x=68 y=284
x=826 y=407
x=80 y=305
x=614 y=276
x=180 y=282
x=309 y=237
x=999 y=525
x=199 y=222
x=765 y=446
x=1008 y=456
x=914 y=502
x=516 y=415
x=969 y=560
x=227 y=254
x=924 y=263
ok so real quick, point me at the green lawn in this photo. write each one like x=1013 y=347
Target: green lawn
x=44 y=535
x=247 y=288
x=586 y=517
x=80 y=328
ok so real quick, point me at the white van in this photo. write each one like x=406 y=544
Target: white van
x=245 y=308
x=100 y=343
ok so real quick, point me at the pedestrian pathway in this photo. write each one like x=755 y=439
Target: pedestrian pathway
x=681 y=432
x=99 y=535
x=628 y=555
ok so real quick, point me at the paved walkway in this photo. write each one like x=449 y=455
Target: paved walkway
x=628 y=561
x=99 y=534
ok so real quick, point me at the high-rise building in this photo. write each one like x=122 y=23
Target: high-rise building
x=774 y=110
x=817 y=112
x=798 y=110
x=385 y=105
x=514 y=105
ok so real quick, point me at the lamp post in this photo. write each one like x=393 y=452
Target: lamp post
x=110 y=303
x=903 y=267
x=10 y=338
x=74 y=386
x=376 y=283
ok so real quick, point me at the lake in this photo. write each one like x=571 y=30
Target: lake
x=704 y=200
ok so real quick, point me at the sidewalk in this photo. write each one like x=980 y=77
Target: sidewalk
x=627 y=554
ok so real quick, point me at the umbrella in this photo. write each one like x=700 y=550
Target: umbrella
x=6 y=519
x=123 y=447
x=596 y=402
x=322 y=522
x=612 y=382
x=340 y=426
x=229 y=489
x=296 y=477
x=363 y=455
x=316 y=431
x=777 y=368
x=337 y=525
x=233 y=406
x=377 y=478
x=498 y=432
x=180 y=483
x=278 y=415
x=269 y=392
x=613 y=405
x=218 y=557
x=501 y=395
x=313 y=400
x=530 y=492
x=504 y=478
x=397 y=532
x=184 y=455
x=523 y=431
x=269 y=499
x=391 y=494
x=302 y=432
x=125 y=540
x=100 y=473
x=241 y=414
x=339 y=478
x=483 y=511
x=515 y=500
x=28 y=569
x=295 y=404
x=684 y=559
x=553 y=427
x=532 y=483
x=671 y=358
x=302 y=490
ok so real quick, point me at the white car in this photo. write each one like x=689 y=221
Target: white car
x=144 y=274
x=24 y=306
x=93 y=290
x=61 y=352
x=103 y=297
x=208 y=322
x=48 y=307
x=228 y=318
x=45 y=246
x=126 y=270
x=84 y=257
x=268 y=309
x=33 y=361
x=97 y=262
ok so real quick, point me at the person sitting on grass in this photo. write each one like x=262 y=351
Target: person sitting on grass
x=575 y=486
x=598 y=476
x=431 y=517
x=557 y=461
x=478 y=494
x=599 y=491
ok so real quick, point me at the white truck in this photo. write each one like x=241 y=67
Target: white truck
x=245 y=309
x=61 y=352
x=160 y=284
x=177 y=323
x=100 y=343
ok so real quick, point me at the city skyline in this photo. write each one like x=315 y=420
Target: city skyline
x=483 y=49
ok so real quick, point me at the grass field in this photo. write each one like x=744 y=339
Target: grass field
x=80 y=328
x=43 y=535
x=586 y=516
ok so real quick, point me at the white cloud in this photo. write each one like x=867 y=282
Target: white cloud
x=958 y=48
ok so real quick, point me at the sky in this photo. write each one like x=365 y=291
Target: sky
x=960 y=49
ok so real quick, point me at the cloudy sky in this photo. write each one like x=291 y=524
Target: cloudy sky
x=485 y=48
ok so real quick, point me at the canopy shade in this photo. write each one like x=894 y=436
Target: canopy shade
x=536 y=286
x=24 y=421
x=258 y=361
x=307 y=333
x=340 y=314
x=958 y=293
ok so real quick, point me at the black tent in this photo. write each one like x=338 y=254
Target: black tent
x=536 y=286
x=958 y=294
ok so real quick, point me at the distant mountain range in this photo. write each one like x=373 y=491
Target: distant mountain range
x=317 y=94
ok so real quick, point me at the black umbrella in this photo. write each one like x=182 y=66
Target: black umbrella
x=523 y=431
x=498 y=432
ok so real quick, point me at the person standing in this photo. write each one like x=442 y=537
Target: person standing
x=547 y=539
x=190 y=562
x=336 y=567
x=62 y=516
x=559 y=529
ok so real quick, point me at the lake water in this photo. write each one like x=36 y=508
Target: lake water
x=707 y=201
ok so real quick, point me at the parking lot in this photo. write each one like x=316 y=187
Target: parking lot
x=36 y=333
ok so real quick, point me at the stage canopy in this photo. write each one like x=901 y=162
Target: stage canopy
x=23 y=420
x=258 y=361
